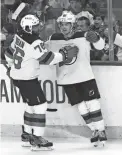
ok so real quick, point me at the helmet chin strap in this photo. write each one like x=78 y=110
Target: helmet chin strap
x=30 y=28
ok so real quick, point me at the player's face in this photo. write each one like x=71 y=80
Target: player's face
x=65 y=28
x=98 y=22
x=81 y=26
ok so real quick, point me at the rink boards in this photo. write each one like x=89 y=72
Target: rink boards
x=62 y=119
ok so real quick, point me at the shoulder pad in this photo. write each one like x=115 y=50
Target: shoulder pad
x=78 y=35
x=57 y=36
x=29 y=38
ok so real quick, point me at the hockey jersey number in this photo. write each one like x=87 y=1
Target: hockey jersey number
x=40 y=47
x=18 y=57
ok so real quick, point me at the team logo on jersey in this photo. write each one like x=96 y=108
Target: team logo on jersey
x=72 y=61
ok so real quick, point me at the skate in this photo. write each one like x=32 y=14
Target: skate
x=102 y=137
x=25 y=138
x=95 y=138
x=40 y=144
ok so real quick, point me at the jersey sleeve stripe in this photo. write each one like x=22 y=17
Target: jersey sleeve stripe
x=50 y=59
x=46 y=57
x=40 y=59
x=36 y=116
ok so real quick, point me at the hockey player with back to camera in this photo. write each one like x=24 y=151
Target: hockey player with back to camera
x=24 y=57
x=76 y=76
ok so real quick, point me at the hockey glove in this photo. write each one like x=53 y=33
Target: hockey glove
x=92 y=36
x=69 y=52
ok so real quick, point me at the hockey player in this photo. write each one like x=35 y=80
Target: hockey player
x=24 y=55
x=76 y=76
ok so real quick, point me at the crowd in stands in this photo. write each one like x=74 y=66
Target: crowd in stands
x=88 y=18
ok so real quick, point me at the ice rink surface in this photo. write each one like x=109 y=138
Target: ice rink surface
x=12 y=146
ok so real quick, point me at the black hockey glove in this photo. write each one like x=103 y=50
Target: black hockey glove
x=92 y=36
x=69 y=52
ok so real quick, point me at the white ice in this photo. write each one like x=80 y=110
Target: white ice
x=12 y=146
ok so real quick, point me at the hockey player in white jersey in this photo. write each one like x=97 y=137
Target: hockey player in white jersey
x=24 y=57
x=76 y=76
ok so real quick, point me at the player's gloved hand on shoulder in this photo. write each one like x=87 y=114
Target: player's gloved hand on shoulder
x=92 y=36
x=69 y=52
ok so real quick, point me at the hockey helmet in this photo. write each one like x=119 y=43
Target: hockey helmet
x=67 y=17
x=29 y=21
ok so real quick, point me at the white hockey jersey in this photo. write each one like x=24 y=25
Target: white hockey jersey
x=25 y=55
x=79 y=70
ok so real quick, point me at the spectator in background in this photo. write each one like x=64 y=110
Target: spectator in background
x=28 y=1
x=118 y=27
x=51 y=12
x=78 y=8
x=117 y=40
x=98 y=25
x=2 y=39
x=93 y=7
x=4 y=14
x=7 y=34
x=9 y=28
x=53 y=9
x=64 y=4
x=38 y=8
